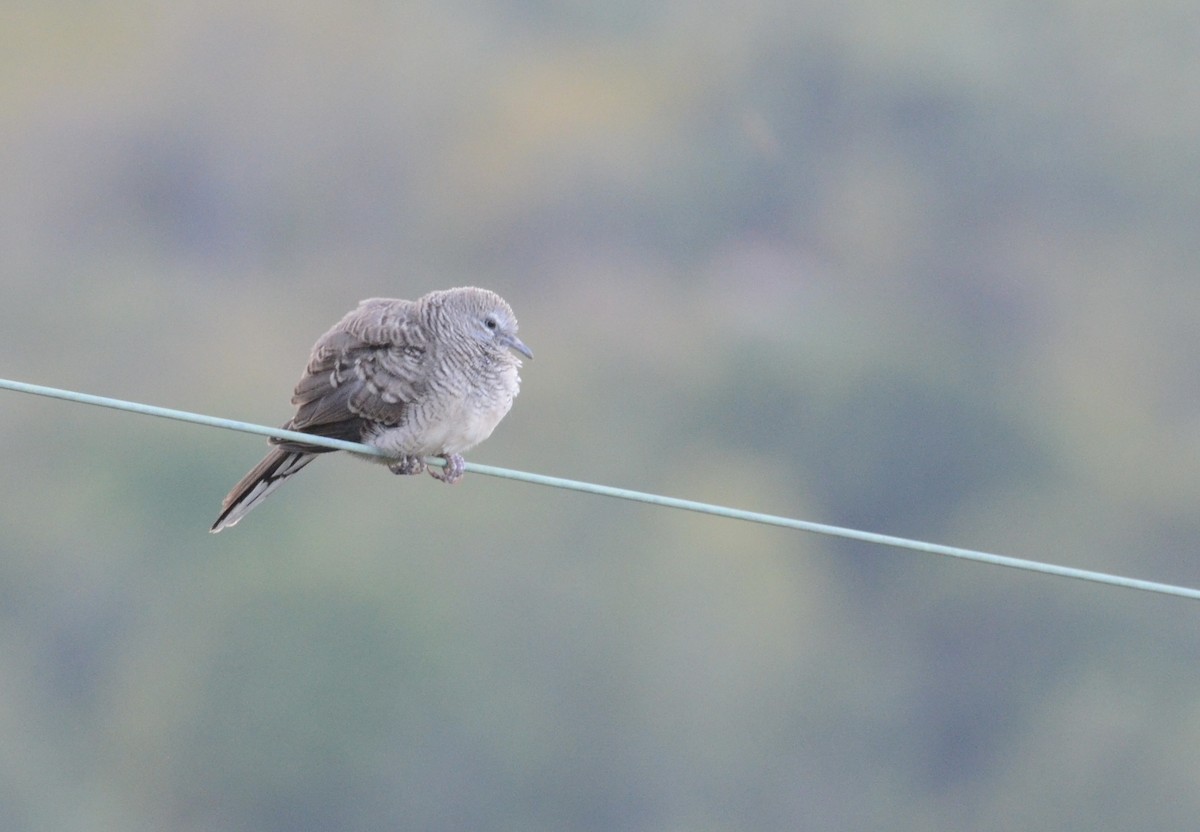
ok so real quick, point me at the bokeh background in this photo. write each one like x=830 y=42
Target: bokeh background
x=927 y=269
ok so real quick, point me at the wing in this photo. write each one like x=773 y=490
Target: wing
x=368 y=368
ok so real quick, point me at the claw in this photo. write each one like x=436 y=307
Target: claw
x=453 y=471
x=407 y=465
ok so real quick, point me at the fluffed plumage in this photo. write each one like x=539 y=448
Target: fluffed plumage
x=430 y=377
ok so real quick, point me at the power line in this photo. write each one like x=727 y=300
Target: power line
x=626 y=494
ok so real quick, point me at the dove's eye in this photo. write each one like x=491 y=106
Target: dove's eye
x=491 y=323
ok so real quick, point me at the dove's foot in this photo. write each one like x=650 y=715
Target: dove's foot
x=407 y=465
x=456 y=466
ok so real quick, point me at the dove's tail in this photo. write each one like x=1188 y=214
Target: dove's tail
x=256 y=486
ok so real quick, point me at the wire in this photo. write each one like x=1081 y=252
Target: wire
x=626 y=494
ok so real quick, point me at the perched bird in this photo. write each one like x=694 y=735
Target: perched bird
x=430 y=377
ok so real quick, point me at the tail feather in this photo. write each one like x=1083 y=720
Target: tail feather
x=265 y=477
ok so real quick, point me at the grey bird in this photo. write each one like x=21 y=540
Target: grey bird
x=430 y=377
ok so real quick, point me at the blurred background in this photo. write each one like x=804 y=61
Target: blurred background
x=927 y=269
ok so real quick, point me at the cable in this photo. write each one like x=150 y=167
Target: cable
x=626 y=494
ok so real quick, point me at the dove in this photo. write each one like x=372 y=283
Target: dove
x=430 y=377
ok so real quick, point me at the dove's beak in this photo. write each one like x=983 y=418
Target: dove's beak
x=515 y=342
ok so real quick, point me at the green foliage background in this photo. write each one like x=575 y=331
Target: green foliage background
x=927 y=268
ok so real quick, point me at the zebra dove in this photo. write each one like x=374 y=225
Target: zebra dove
x=430 y=377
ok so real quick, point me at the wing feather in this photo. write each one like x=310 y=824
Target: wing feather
x=368 y=368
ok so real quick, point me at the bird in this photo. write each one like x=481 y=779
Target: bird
x=430 y=377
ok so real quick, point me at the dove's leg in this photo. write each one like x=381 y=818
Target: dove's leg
x=407 y=465
x=456 y=466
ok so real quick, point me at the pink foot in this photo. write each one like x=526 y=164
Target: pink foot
x=455 y=467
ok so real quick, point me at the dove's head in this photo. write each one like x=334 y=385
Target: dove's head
x=482 y=316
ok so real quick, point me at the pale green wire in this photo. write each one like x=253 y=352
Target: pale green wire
x=626 y=494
